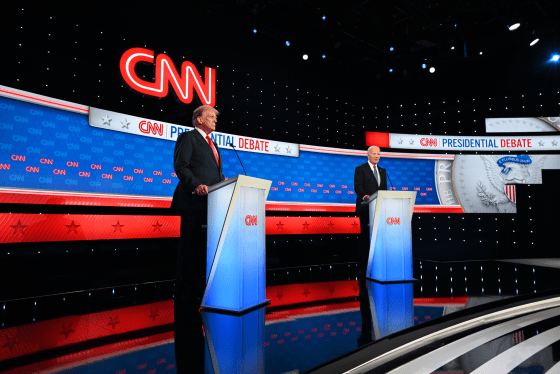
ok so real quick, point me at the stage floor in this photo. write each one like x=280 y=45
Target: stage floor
x=317 y=315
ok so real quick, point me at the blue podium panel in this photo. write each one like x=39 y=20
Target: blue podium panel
x=392 y=307
x=234 y=344
x=235 y=271
x=390 y=255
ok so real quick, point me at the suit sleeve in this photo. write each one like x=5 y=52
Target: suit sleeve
x=359 y=183
x=181 y=162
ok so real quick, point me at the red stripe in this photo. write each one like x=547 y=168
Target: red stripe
x=380 y=139
x=44 y=101
x=26 y=228
x=312 y=225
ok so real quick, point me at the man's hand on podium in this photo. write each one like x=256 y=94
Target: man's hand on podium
x=202 y=190
x=366 y=198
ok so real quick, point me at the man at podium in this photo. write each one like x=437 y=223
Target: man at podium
x=368 y=179
x=198 y=165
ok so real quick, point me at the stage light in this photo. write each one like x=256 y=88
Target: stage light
x=324 y=56
x=254 y=31
x=515 y=26
x=480 y=52
x=305 y=57
x=390 y=70
x=324 y=18
x=391 y=49
x=534 y=42
x=452 y=47
x=287 y=43
x=432 y=69
x=423 y=66
x=555 y=58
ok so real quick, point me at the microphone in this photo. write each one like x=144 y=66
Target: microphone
x=231 y=144
x=389 y=178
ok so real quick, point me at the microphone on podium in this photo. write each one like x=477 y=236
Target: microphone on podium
x=231 y=144
x=389 y=179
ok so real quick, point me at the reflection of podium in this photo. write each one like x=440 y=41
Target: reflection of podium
x=390 y=251
x=235 y=262
x=234 y=344
x=392 y=307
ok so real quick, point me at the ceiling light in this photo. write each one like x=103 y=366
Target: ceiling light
x=432 y=69
x=305 y=57
x=534 y=42
x=515 y=26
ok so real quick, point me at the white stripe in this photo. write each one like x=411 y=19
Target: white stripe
x=513 y=357
x=436 y=359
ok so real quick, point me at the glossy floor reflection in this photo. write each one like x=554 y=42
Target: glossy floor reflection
x=309 y=322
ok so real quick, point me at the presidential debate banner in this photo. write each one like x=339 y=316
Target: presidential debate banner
x=463 y=143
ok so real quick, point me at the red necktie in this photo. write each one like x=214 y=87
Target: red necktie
x=213 y=149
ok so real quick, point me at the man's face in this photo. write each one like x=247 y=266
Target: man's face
x=207 y=121
x=373 y=155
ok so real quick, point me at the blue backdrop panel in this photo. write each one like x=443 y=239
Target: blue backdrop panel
x=67 y=154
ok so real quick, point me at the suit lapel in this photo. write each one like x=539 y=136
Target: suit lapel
x=208 y=148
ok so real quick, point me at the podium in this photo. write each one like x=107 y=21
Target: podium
x=236 y=261
x=390 y=251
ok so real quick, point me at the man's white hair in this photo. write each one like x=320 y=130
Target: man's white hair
x=199 y=111
x=373 y=146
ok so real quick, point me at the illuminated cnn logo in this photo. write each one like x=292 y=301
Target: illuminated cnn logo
x=147 y=127
x=428 y=142
x=393 y=221
x=251 y=220
x=182 y=82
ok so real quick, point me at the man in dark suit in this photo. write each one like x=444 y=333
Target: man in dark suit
x=198 y=164
x=368 y=179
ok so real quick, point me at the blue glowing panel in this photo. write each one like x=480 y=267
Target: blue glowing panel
x=51 y=149
x=391 y=306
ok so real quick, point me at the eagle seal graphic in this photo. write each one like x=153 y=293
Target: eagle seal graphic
x=504 y=172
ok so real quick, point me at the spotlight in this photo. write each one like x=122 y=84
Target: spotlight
x=305 y=57
x=515 y=26
x=555 y=58
x=391 y=49
x=254 y=31
x=390 y=70
x=452 y=47
x=423 y=66
x=287 y=43
x=534 y=42
x=480 y=52
x=324 y=18
x=432 y=69
x=324 y=56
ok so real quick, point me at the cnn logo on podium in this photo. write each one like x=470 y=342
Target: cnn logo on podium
x=393 y=221
x=251 y=220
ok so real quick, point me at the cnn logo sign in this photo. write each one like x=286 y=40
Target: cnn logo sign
x=251 y=220
x=428 y=142
x=393 y=221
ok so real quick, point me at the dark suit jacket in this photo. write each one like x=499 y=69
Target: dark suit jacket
x=194 y=164
x=365 y=183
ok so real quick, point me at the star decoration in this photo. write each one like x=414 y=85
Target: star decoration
x=19 y=228
x=354 y=225
x=279 y=294
x=288 y=150
x=106 y=120
x=118 y=226
x=541 y=144
x=157 y=226
x=10 y=343
x=306 y=291
x=72 y=227
x=554 y=143
x=400 y=141
x=331 y=225
x=280 y=224
x=331 y=289
x=113 y=322
x=411 y=142
x=153 y=314
x=305 y=225
x=66 y=330
x=277 y=148
x=125 y=124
